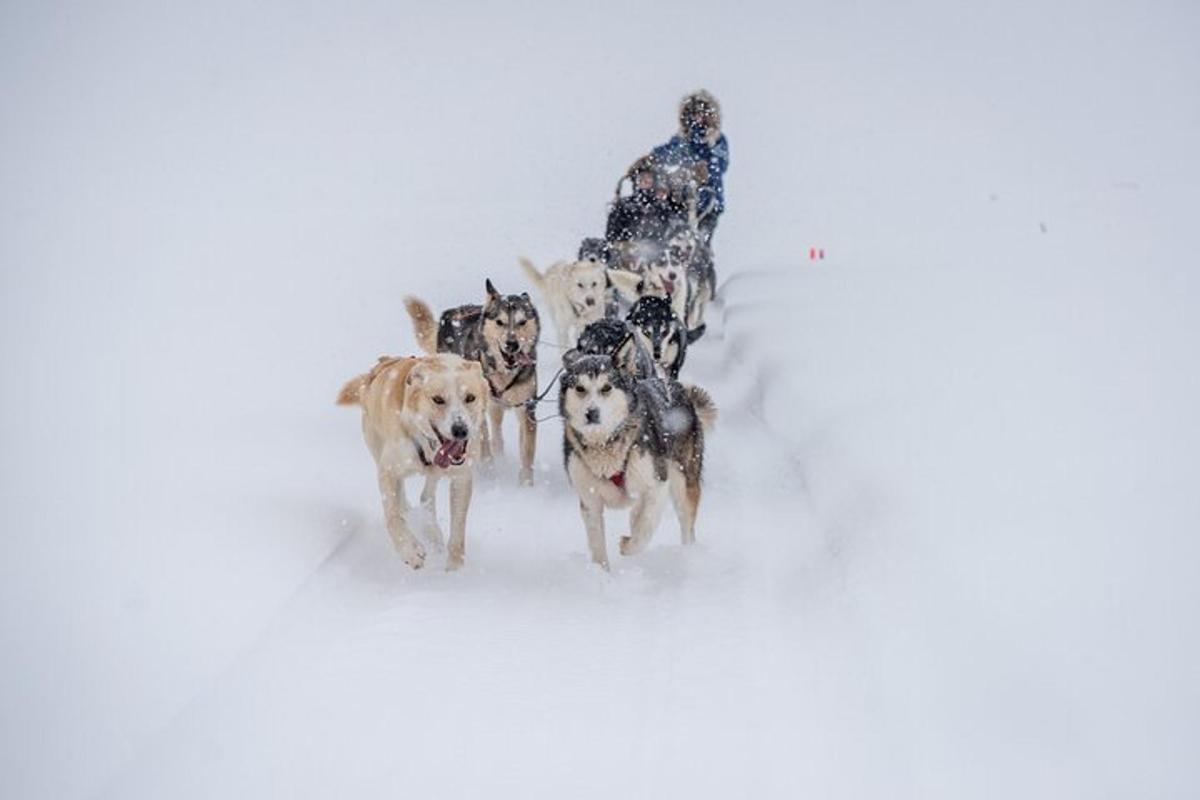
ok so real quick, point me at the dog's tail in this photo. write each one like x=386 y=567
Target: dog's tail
x=351 y=394
x=706 y=409
x=424 y=324
x=534 y=275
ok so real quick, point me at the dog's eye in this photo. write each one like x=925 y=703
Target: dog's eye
x=579 y=389
x=470 y=398
x=439 y=400
x=580 y=285
x=605 y=389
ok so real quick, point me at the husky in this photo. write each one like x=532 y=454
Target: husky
x=595 y=249
x=655 y=277
x=681 y=272
x=616 y=338
x=631 y=443
x=576 y=293
x=659 y=328
x=422 y=416
x=687 y=249
x=502 y=336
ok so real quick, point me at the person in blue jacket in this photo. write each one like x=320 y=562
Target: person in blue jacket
x=701 y=147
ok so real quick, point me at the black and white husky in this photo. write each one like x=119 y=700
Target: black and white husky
x=502 y=335
x=660 y=330
x=617 y=338
x=631 y=443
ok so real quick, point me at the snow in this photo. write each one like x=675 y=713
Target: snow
x=948 y=539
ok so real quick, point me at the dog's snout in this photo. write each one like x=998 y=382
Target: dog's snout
x=592 y=415
x=459 y=430
x=511 y=345
x=591 y=301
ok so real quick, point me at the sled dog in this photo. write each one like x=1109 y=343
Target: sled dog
x=659 y=328
x=687 y=249
x=502 y=336
x=682 y=273
x=422 y=416
x=575 y=293
x=631 y=443
x=613 y=337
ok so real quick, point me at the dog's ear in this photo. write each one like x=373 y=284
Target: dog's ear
x=570 y=357
x=525 y=296
x=625 y=356
x=493 y=295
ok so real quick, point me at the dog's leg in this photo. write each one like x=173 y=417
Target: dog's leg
x=592 y=510
x=526 y=414
x=485 y=443
x=395 y=509
x=433 y=531
x=643 y=519
x=496 y=412
x=460 y=499
x=685 y=496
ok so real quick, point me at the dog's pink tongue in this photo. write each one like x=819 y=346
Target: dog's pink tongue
x=451 y=450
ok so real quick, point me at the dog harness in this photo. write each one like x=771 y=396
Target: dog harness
x=521 y=374
x=618 y=480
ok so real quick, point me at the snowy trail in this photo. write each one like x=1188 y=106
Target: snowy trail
x=676 y=660
x=948 y=543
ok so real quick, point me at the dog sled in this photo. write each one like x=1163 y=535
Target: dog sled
x=649 y=203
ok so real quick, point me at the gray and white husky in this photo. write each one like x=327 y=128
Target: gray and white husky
x=631 y=443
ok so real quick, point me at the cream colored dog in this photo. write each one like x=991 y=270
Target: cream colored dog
x=658 y=279
x=576 y=293
x=422 y=415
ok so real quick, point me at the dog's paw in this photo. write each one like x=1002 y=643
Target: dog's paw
x=630 y=546
x=454 y=560
x=413 y=554
x=526 y=477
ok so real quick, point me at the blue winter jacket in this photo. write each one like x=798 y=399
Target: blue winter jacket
x=686 y=152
